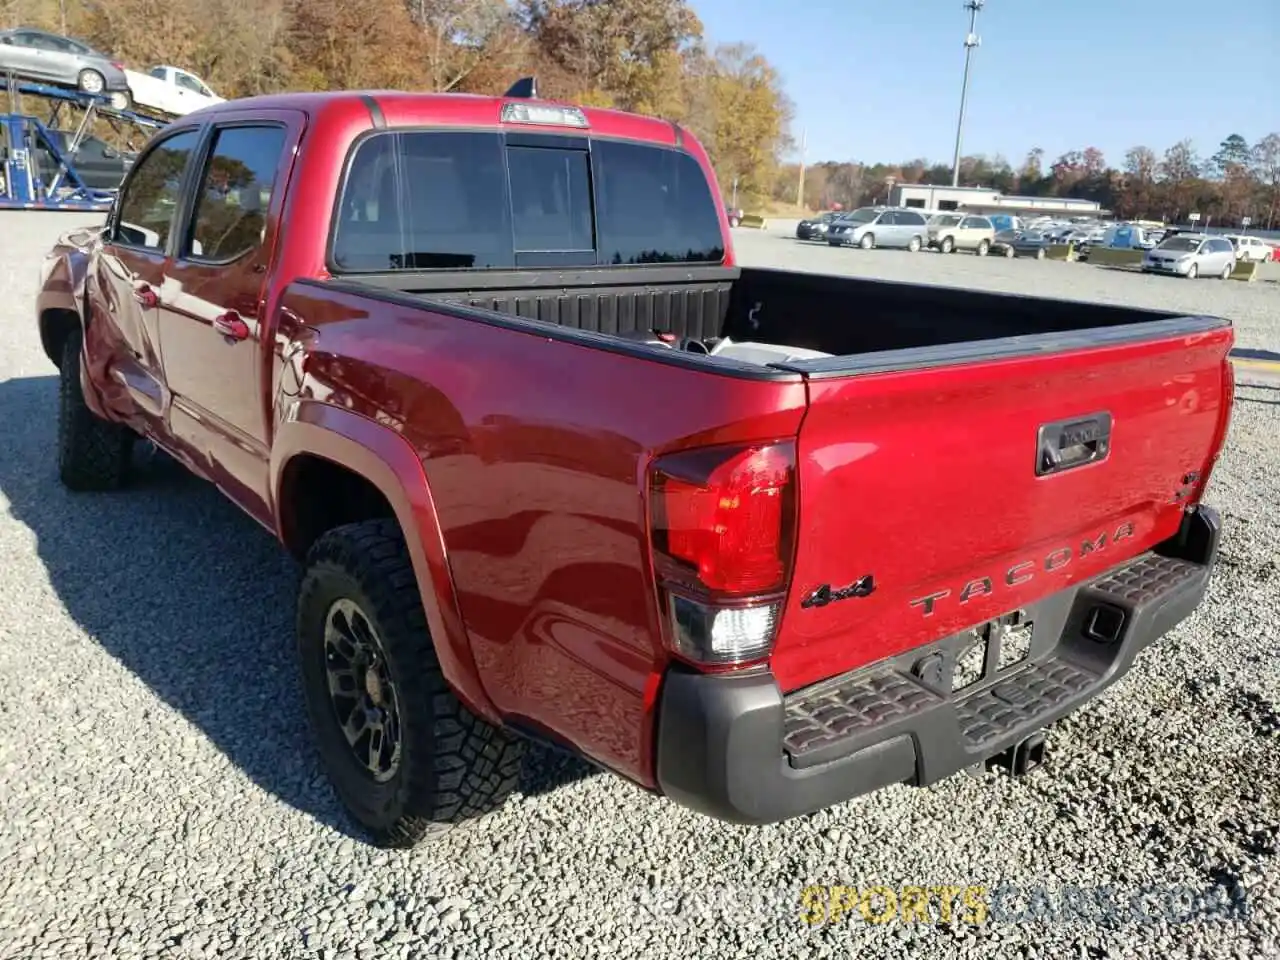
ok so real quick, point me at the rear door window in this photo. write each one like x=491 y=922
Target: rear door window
x=235 y=191
x=444 y=200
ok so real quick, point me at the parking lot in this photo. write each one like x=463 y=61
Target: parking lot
x=160 y=797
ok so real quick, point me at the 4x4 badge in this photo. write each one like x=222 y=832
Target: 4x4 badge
x=864 y=586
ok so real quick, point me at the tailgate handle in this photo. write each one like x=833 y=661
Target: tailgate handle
x=1065 y=444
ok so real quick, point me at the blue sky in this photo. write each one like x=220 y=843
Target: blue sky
x=874 y=80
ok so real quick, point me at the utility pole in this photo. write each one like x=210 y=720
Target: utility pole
x=804 y=135
x=970 y=41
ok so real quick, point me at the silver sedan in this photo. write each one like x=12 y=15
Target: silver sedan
x=38 y=55
x=1191 y=255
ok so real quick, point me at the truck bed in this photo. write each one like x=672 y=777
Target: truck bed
x=903 y=325
x=919 y=447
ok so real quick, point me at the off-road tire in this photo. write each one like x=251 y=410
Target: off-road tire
x=454 y=765
x=93 y=454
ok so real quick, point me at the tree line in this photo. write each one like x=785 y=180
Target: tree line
x=1238 y=180
x=648 y=56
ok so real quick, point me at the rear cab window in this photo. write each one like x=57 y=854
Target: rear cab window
x=452 y=200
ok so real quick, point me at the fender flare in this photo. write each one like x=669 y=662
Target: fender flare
x=386 y=459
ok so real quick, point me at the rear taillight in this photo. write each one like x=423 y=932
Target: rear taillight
x=723 y=530
x=118 y=66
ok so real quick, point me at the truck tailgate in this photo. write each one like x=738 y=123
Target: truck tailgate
x=953 y=487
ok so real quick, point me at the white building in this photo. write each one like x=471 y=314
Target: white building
x=987 y=200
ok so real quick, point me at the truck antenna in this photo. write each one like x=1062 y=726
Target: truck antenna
x=526 y=88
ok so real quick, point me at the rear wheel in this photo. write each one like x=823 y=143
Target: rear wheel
x=121 y=100
x=867 y=242
x=948 y=245
x=405 y=757
x=93 y=454
x=91 y=81
x=914 y=245
x=983 y=247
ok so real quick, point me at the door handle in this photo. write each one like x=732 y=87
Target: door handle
x=146 y=296
x=231 y=325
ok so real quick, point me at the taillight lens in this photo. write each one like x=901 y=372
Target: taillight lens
x=723 y=528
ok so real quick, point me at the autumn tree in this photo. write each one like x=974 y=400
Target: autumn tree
x=1180 y=169
x=459 y=37
x=612 y=47
x=1265 y=163
x=1139 y=184
x=1232 y=165
x=745 y=117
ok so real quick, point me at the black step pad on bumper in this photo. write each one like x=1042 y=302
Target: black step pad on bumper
x=736 y=748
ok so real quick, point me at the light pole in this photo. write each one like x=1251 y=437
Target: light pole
x=970 y=41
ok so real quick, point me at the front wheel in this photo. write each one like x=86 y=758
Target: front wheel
x=93 y=454
x=1193 y=272
x=1227 y=271
x=1040 y=254
x=121 y=100
x=1008 y=253
x=983 y=247
x=405 y=756
x=914 y=245
x=867 y=242
x=948 y=245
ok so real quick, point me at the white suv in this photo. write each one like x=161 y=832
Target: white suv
x=1250 y=248
x=949 y=232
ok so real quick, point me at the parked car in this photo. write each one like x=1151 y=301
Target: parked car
x=815 y=228
x=99 y=165
x=1192 y=255
x=1249 y=249
x=1130 y=236
x=949 y=232
x=170 y=90
x=1021 y=243
x=43 y=56
x=869 y=227
x=726 y=558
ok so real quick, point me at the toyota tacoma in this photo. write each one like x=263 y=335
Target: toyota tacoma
x=556 y=468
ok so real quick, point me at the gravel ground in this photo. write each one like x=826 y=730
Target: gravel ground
x=159 y=795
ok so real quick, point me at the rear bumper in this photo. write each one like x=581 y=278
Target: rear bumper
x=736 y=748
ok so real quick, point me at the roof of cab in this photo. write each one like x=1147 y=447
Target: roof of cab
x=405 y=109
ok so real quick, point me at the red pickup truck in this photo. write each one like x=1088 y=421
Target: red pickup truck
x=558 y=468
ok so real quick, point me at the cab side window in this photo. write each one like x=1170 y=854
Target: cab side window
x=150 y=198
x=235 y=191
